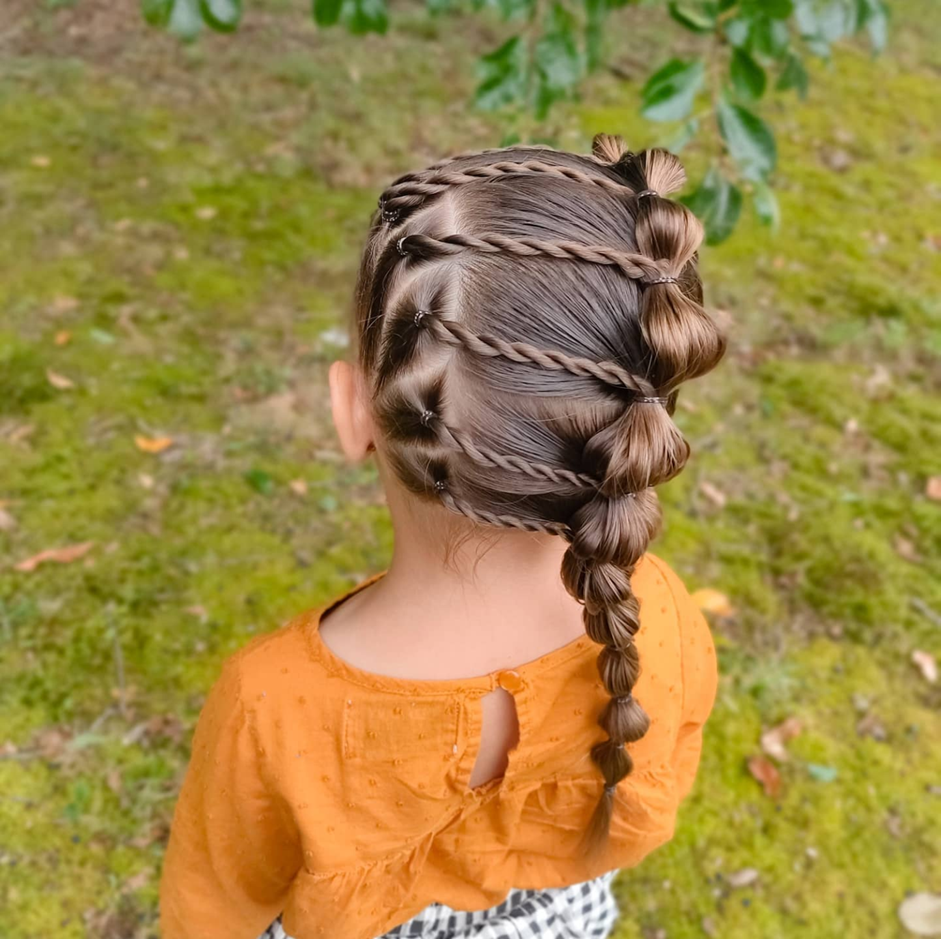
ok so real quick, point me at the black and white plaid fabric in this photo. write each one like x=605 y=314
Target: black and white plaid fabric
x=582 y=911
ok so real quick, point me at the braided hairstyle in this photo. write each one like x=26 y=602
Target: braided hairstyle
x=525 y=317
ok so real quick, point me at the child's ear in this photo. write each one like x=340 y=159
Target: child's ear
x=351 y=415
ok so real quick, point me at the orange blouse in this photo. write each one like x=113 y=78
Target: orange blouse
x=340 y=797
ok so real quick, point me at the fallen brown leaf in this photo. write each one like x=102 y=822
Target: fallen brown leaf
x=298 y=487
x=152 y=444
x=871 y=726
x=115 y=781
x=59 y=381
x=712 y=601
x=765 y=772
x=926 y=664
x=21 y=433
x=920 y=914
x=743 y=878
x=62 y=303
x=158 y=831
x=138 y=881
x=905 y=549
x=773 y=741
x=62 y=337
x=60 y=555
x=713 y=493
x=933 y=488
x=7 y=521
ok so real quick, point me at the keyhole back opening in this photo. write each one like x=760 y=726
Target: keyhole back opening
x=499 y=734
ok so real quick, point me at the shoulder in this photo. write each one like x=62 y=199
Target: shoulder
x=654 y=571
x=696 y=645
x=272 y=671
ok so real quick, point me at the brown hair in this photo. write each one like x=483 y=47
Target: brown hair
x=525 y=317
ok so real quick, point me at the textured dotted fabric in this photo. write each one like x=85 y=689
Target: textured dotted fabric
x=338 y=799
x=582 y=911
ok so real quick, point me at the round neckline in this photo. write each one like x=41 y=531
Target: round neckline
x=428 y=686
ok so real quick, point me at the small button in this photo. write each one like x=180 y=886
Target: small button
x=510 y=681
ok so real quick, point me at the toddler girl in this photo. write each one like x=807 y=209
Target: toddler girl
x=467 y=745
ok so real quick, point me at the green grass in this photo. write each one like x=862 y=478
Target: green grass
x=186 y=222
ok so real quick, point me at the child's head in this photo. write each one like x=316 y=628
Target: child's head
x=525 y=317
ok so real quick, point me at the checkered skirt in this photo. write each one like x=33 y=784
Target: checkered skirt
x=582 y=911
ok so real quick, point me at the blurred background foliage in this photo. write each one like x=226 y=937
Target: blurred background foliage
x=553 y=46
x=179 y=232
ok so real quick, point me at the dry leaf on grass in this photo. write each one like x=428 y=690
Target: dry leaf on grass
x=871 y=726
x=62 y=337
x=298 y=487
x=60 y=555
x=933 y=488
x=743 y=878
x=920 y=914
x=59 y=381
x=713 y=493
x=773 y=741
x=712 y=601
x=767 y=774
x=138 y=881
x=63 y=303
x=926 y=664
x=7 y=521
x=152 y=444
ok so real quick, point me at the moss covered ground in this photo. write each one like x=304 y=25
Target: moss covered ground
x=178 y=235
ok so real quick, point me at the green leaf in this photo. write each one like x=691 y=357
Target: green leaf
x=514 y=9
x=874 y=15
x=260 y=481
x=748 y=77
x=670 y=92
x=157 y=12
x=769 y=37
x=678 y=142
x=821 y=773
x=766 y=206
x=502 y=75
x=185 y=19
x=326 y=12
x=221 y=15
x=737 y=30
x=702 y=20
x=748 y=138
x=836 y=20
x=595 y=14
x=776 y=9
x=557 y=61
x=795 y=76
x=718 y=204
x=366 y=16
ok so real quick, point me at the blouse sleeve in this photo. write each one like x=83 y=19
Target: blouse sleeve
x=233 y=851
x=700 y=682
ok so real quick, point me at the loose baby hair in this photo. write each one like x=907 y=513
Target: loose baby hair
x=525 y=317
